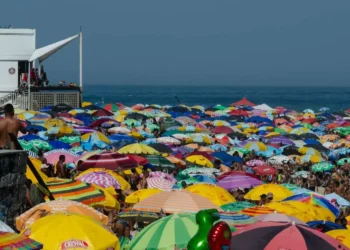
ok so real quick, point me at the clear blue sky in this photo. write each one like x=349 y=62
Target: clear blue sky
x=193 y=41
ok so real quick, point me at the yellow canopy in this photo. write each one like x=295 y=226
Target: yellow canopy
x=200 y=160
x=279 y=192
x=141 y=194
x=137 y=148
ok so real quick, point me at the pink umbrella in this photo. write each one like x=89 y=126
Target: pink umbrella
x=160 y=183
x=101 y=179
x=53 y=156
x=254 y=163
x=163 y=175
x=277 y=217
x=238 y=181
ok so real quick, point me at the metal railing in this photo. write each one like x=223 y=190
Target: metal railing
x=16 y=98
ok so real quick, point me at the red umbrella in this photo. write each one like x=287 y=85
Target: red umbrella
x=222 y=130
x=281 y=235
x=235 y=173
x=139 y=159
x=99 y=122
x=243 y=102
x=239 y=112
x=102 y=112
x=108 y=160
x=265 y=170
x=63 y=114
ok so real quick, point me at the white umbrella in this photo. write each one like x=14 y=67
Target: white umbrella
x=5 y=228
x=280 y=160
x=168 y=140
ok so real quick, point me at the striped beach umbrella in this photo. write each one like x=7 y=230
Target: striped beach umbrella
x=322 y=166
x=169 y=233
x=255 y=211
x=236 y=206
x=256 y=145
x=101 y=179
x=137 y=216
x=160 y=183
x=15 y=241
x=237 y=221
x=176 y=201
x=76 y=190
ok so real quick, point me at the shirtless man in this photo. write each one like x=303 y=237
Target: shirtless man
x=9 y=125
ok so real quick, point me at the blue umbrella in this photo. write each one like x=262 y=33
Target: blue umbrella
x=30 y=137
x=35 y=127
x=85 y=118
x=204 y=178
x=121 y=137
x=312 y=142
x=46 y=108
x=59 y=145
x=325 y=225
x=258 y=119
x=226 y=158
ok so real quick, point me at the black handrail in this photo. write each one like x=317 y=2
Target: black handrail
x=32 y=168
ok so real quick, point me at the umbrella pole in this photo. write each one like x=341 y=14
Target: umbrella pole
x=32 y=168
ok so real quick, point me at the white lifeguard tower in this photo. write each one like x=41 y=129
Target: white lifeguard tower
x=18 y=55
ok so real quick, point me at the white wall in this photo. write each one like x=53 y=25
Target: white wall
x=8 y=82
x=16 y=44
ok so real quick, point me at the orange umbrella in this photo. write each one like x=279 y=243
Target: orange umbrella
x=255 y=211
x=57 y=206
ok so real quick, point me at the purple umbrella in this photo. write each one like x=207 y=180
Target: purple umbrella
x=84 y=130
x=238 y=181
x=101 y=179
x=281 y=139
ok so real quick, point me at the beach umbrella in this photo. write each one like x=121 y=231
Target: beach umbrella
x=27 y=146
x=237 y=221
x=322 y=166
x=218 y=195
x=168 y=140
x=238 y=181
x=277 y=217
x=255 y=163
x=39 y=119
x=211 y=172
x=111 y=107
x=26 y=115
x=325 y=226
x=65 y=231
x=256 y=211
x=309 y=151
x=53 y=156
x=76 y=190
x=272 y=235
x=108 y=160
x=169 y=233
x=303 y=211
x=101 y=179
x=161 y=148
x=342 y=235
x=310 y=158
x=41 y=144
x=340 y=200
x=57 y=206
x=9 y=241
x=119 y=130
x=200 y=161
x=280 y=160
x=176 y=201
x=95 y=136
x=279 y=192
x=102 y=113
x=5 y=228
x=138 y=216
x=141 y=194
x=159 y=161
x=137 y=148
x=159 y=183
x=70 y=139
x=265 y=170
x=55 y=144
x=236 y=206
x=257 y=146
x=342 y=161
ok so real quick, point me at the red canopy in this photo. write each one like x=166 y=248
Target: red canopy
x=243 y=102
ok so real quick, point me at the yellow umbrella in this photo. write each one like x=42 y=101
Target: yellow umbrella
x=26 y=115
x=312 y=158
x=136 y=135
x=65 y=130
x=123 y=183
x=137 y=148
x=84 y=104
x=54 y=122
x=215 y=194
x=279 y=192
x=87 y=155
x=303 y=211
x=139 y=170
x=29 y=174
x=309 y=151
x=256 y=145
x=120 y=118
x=343 y=235
x=110 y=201
x=71 y=231
x=141 y=194
x=272 y=134
x=97 y=135
x=200 y=160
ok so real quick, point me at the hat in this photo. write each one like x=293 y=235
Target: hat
x=270 y=195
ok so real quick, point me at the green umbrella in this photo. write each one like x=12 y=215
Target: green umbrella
x=130 y=122
x=152 y=126
x=241 y=150
x=343 y=131
x=307 y=125
x=169 y=122
x=291 y=187
x=341 y=161
x=159 y=161
x=70 y=139
x=27 y=146
x=237 y=206
x=111 y=107
x=40 y=144
x=220 y=107
x=190 y=180
x=322 y=166
x=166 y=234
x=279 y=130
x=76 y=150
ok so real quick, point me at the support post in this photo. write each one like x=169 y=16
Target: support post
x=81 y=65
x=28 y=83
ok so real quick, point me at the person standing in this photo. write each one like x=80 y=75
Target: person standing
x=60 y=169
x=9 y=125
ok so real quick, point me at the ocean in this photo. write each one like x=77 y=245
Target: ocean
x=296 y=98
